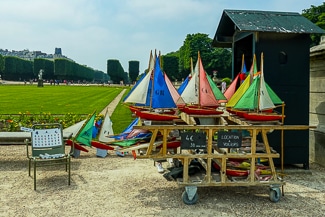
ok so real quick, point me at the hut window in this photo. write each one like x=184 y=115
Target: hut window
x=283 y=58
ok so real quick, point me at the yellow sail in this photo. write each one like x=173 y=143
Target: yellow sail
x=238 y=94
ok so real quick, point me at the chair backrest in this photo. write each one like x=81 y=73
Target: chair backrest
x=47 y=139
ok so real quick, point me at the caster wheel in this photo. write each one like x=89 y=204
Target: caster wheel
x=187 y=201
x=275 y=194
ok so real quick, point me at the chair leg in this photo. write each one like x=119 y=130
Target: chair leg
x=67 y=166
x=35 y=176
x=29 y=164
x=69 y=170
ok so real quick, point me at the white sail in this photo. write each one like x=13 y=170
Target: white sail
x=74 y=129
x=265 y=101
x=139 y=94
x=188 y=95
x=106 y=129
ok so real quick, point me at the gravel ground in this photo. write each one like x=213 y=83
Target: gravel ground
x=122 y=186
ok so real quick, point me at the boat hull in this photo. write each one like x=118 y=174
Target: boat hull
x=135 y=109
x=191 y=110
x=101 y=145
x=77 y=146
x=155 y=116
x=262 y=116
x=232 y=172
x=172 y=144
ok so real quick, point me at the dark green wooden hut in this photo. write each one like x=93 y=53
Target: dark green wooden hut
x=284 y=38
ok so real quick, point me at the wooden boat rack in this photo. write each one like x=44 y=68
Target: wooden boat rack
x=212 y=154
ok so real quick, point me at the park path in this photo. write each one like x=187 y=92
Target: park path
x=111 y=107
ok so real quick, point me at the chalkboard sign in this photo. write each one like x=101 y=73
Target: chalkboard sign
x=229 y=139
x=193 y=140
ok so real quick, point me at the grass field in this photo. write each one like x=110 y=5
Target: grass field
x=55 y=99
x=121 y=117
x=60 y=100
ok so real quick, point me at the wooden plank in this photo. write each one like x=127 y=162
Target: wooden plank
x=140 y=146
x=220 y=155
x=230 y=184
x=268 y=151
x=228 y=127
x=187 y=119
x=152 y=141
x=253 y=152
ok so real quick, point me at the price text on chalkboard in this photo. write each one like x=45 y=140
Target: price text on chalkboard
x=229 y=139
x=192 y=140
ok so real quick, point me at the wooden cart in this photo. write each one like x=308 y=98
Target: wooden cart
x=211 y=154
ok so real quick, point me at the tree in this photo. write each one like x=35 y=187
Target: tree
x=26 y=71
x=46 y=65
x=126 y=78
x=2 y=64
x=10 y=68
x=115 y=71
x=315 y=14
x=133 y=70
x=68 y=70
x=17 y=69
x=100 y=76
x=220 y=61
x=213 y=59
x=170 y=67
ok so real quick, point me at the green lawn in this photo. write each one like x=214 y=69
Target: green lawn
x=121 y=117
x=55 y=99
x=22 y=105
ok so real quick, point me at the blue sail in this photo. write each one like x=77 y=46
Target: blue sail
x=161 y=97
x=126 y=131
x=183 y=85
x=148 y=94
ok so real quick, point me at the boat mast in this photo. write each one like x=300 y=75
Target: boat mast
x=192 y=70
x=259 y=88
x=242 y=64
x=198 y=81
x=252 y=70
x=152 y=81
x=150 y=60
x=160 y=61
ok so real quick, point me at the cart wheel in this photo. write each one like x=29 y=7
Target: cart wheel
x=187 y=201
x=275 y=194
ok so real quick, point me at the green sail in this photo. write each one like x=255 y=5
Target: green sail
x=216 y=91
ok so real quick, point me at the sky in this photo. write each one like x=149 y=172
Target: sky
x=92 y=31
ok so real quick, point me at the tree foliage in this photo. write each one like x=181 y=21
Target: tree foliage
x=126 y=78
x=134 y=70
x=2 y=63
x=46 y=65
x=17 y=69
x=315 y=14
x=68 y=70
x=213 y=59
x=170 y=66
x=220 y=61
x=100 y=77
x=115 y=71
